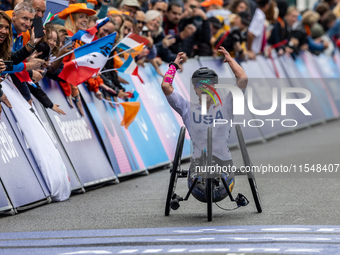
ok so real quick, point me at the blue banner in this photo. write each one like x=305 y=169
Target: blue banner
x=79 y=139
x=74 y=179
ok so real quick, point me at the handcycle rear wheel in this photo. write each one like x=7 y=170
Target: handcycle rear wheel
x=176 y=163
x=209 y=182
x=247 y=163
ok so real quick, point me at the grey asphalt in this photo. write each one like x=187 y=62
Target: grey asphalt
x=288 y=199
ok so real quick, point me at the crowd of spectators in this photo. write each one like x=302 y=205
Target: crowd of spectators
x=246 y=28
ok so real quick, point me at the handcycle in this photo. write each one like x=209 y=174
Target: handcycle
x=208 y=183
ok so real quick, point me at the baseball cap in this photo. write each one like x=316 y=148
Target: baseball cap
x=215 y=22
x=130 y=3
x=207 y=3
x=245 y=18
x=317 y=31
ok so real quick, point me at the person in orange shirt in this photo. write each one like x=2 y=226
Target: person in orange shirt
x=76 y=18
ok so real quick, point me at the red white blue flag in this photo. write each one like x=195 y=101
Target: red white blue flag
x=89 y=60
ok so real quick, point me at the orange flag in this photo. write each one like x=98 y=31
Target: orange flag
x=130 y=111
x=134 y=51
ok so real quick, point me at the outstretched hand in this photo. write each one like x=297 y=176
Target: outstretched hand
x=4 y=100
x=179 y=60
x=227 y=57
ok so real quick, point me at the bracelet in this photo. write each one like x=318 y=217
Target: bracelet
x=174 y=64
x=31 y=46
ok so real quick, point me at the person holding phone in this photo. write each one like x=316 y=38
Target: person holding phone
x=76 y=18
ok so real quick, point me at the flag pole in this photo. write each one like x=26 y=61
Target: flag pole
x=123 y=52
x=108 y=70
x=118 y=43
x=63 y=56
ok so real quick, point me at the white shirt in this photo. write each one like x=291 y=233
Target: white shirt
x=256 y=27
x=197 y=124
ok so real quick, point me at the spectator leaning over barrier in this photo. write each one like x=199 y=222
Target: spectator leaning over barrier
x=127 y=26
x=22 y=17
x=236 y=6
x=199 y=42
x=171 y=29
x=291 y=17
x=256 y=31
x=216 y=29
x=102 y=12
x=280 y=30
x=234 y=40
x=159 y=5
x=5 y=52
x=111 y=81
x=139 y=22
x=76 y=18
x=96 y=83
x=322 y=9
x=18 y=56
x=130 y=6
x=302 y=32
x=23 y=11
x=161 y=42
x=333 y=29
x=318 y=35
x=153 y=21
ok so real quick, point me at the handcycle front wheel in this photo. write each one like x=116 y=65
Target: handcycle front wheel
x=247 y=163
x=176 y=163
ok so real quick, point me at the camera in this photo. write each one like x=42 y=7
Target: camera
x=234 y=37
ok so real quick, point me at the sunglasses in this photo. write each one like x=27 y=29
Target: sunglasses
x=204 y=82
x=141 y=22
x=193 y=6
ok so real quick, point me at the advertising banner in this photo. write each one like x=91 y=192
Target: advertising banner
x=294 y=71
x=163 y=118
x=125 y=151
x=75 y=182
x=16 y=173
x=78 y=138
x=5 y=204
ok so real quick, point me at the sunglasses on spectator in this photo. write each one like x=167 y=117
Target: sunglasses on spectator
x=142 y=22
x=193 y=6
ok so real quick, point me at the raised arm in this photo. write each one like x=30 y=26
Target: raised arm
x=241 y=77
x=170 y=74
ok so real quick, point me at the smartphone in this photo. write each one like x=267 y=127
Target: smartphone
x=67 y=41
x=172 y=32
x=45 y=49
x=38 y=27
x=9 y=65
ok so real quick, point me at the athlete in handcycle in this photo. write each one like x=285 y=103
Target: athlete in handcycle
x=210 y=144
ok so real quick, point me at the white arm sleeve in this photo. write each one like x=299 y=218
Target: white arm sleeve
x=178 y=103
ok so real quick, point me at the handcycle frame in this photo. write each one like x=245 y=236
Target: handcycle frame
x=172 y=200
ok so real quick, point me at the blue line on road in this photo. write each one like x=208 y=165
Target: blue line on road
x=282 y=248
x=308 y=229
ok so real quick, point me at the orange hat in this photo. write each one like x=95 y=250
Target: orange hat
x=207 y=3
x=74 y=8
x=117 y=12
x=9 y=13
